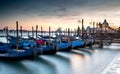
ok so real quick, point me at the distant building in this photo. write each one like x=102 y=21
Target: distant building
x=105 y=28
x=105 y=24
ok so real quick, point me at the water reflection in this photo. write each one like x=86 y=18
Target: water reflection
x=14 y=67
x=3 y=39
x=86 y=51
x=80 y=61
x=76 y=52
x=40 y=66
x=49 y=66
x=61 y=62
x=113 y=46
x=77 y=64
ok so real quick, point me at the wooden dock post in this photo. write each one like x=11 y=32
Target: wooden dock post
x=52 y=33
x=75 y=32
x=6 y=32
x=93 y=28
x=101 y=37
x=32 y=31
x=28 y=33
x=78 y=31
x=68 y=34
x=21 y=31
x=49 y=35
x=60 y=35
x=93 y=33
x=36 y=31
x=36 y=35
x=82 y=29
x=17 y=35
x=41 y=31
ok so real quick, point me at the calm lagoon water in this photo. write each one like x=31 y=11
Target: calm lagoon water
x=80 y=61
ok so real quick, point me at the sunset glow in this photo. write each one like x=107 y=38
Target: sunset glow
x=58 y=13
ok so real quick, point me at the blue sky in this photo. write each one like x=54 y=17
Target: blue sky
x=58 y=12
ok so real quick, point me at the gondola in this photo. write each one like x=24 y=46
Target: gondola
x=43 y=49
x=7 y=53
x=62 y=45
x=22 y=42
x=78 y=44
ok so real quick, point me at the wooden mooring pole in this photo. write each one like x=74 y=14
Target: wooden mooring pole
x=21 y=31
x=101 y=41
x=32 y=31
x=82 y=29
x=6 y=33
x=49 y=35
x=68 y=34
x=17 y=35
x=41 y=31
x=36 y=35
x=36 y=31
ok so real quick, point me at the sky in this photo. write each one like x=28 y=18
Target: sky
x=58 y=13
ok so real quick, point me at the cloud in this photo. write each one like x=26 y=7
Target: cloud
x=55 y=8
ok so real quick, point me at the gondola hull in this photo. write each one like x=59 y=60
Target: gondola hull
x=77 y=44
x=46 y=50
x=64 y=46
x=14 y=54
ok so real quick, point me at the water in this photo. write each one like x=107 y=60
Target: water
x=81 y=61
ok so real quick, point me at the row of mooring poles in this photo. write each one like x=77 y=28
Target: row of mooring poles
x=100 y=43
x=101 y=35
x=37 y=30
x=6 y=29
x=83 y=33
x=41 y=31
